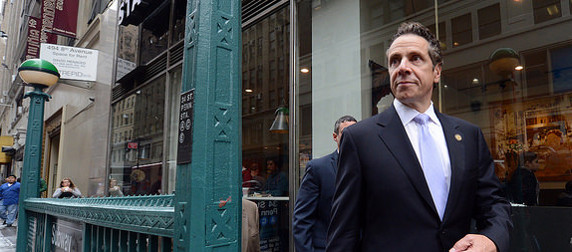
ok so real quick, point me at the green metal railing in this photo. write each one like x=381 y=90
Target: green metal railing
x=130 y=223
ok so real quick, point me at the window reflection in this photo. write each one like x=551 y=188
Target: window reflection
x=265 y=83
x=524 y=109
x=137 y=148
x=154 y=34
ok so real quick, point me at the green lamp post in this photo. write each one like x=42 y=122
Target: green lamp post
x=39 y=74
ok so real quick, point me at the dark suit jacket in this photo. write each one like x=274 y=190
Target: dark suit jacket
x=382 y=202
x=313 y=204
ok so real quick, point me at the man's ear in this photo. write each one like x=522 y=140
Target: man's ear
x=437 y=73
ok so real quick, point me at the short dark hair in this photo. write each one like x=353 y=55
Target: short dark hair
x=343 y=119
x=420 y=30
x=529 y=156
x=12 y=175
x=273 y=160
x=569 y=186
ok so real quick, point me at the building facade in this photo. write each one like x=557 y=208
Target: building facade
x=77 y=117
x=506 y=70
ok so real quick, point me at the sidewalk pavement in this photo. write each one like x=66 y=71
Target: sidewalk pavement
x=8 y=238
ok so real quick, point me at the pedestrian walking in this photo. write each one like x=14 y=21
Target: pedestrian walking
x=10 y=192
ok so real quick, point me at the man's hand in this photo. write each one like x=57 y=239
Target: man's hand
x=474 y=242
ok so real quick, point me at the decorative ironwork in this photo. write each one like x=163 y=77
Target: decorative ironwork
x=224 y=30
x=223 y=126
x=220 y=224
x=191 y=27
x=144 y=214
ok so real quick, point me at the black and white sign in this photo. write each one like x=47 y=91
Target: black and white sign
x=184 y=149
x=73 y=63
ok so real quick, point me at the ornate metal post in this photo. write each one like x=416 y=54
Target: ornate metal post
x=208 y=192
x=39 y=74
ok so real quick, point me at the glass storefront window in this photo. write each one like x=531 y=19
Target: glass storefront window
x=137 y=143
x=265 y=99
x=154 y=33
x=522 y=107
x=174 y=100
x=179 y=21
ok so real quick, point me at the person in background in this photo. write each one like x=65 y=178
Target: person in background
x=523 y=186
x=67 y=189
x=114 y=189
x=250 y=231
x=10 y=193
x=43 y=185
x=314 y=201
x=277 y=181
x=412 y=178
x=257 y=176
x=565 y=198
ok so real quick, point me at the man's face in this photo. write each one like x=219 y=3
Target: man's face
x=338 y=137
x=11 y=179
x=270 y=167
x=534 y=165
x=411 y=71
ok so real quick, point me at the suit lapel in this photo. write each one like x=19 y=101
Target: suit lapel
x=393 y=135
x=454 y=138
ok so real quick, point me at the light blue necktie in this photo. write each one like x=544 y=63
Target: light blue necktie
x=432 y=165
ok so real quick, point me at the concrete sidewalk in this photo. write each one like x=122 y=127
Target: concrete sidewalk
x=8 y=238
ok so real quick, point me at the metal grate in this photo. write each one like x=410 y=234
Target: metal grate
x=158 y=65
x=118 y=91
x=176 y=54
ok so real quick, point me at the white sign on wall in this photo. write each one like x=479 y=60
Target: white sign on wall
x=73 y=63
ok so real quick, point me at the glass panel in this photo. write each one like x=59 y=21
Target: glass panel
x=264 y=102
x=128 y=46
x=154 y=34
x=545 y=10
x=489 y=21
x=174 y=107
x=521 y=100
x=179 y=22
x=462 y=30
x=137 y=149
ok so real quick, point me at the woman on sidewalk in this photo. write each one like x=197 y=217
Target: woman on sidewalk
x=67 y=190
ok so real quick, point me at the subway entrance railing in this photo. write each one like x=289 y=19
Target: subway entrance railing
x=130 y=223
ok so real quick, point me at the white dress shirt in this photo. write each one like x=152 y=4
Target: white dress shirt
x=407 y=114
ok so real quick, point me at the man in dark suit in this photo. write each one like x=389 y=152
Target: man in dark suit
x=314 y=201
x=396 y=193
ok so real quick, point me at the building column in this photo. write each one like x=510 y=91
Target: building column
x=208 y=188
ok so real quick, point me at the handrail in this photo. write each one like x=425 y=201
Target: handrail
x=151 y=214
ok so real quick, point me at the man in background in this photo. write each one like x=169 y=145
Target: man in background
x=10 y=192
x=523 y=186
x=277 y=181
x=314 y=201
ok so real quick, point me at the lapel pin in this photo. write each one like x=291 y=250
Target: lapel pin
x=458 y=137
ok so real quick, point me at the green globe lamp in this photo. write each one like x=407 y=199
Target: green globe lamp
x=39 y=74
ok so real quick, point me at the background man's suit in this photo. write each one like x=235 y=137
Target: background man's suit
x=250 y=232
x=313 y=204
x=381 y=193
